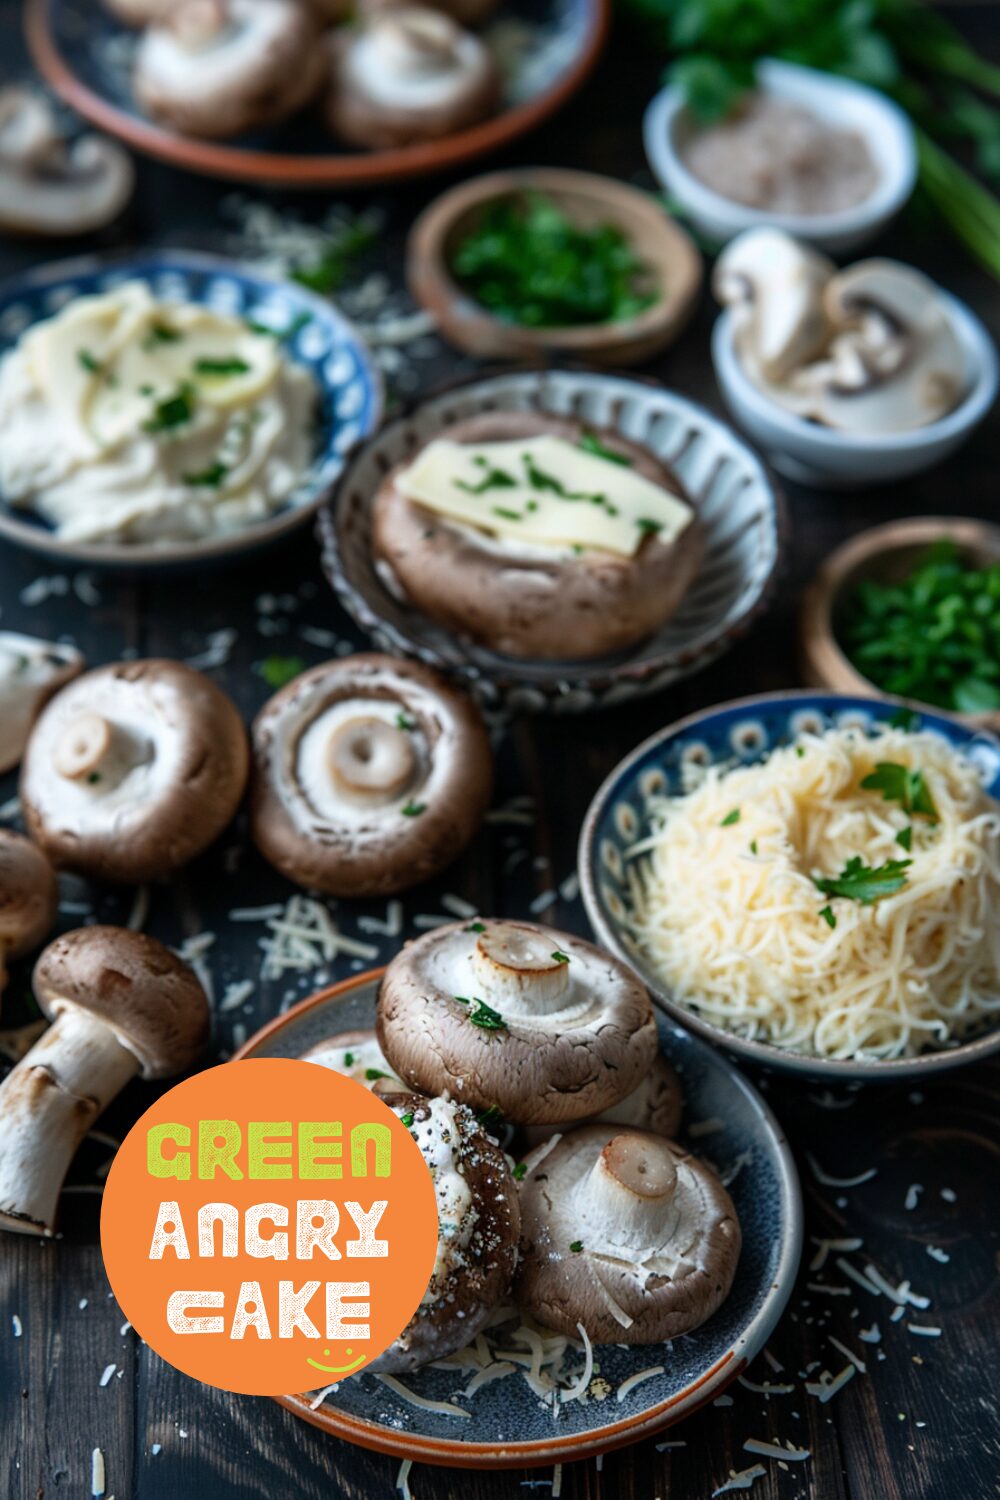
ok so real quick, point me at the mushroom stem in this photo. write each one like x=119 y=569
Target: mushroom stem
x=371 y=762
x=93 y=749
x=628 y=1189
x=516 y=966
x=48 y=1102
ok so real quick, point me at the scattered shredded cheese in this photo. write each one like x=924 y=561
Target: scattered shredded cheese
x=628 y=1385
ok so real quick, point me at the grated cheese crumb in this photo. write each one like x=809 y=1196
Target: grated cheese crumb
x=775 y=1450
x=109 y=1370
x=740 y=1480
x=827 y=1386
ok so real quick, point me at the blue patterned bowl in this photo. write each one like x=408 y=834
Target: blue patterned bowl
x=350 y=388
x=741 y=732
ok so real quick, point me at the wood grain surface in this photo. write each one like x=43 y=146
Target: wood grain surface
x=923 y=1422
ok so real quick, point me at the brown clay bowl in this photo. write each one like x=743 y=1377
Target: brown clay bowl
x=887 y=554
x=587 y=200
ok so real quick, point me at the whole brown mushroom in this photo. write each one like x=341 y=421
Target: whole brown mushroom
x=626 y=1235
x=655 y=1104
x=524 y=600
x=370 y=775
x=28 y=898
x=479 y=1219
x=121 y=1004
x=512 y=1017
x=31 y=670
x=50 y=185
x=132 y=770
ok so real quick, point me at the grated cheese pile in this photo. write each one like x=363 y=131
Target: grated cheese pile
x=725 y=907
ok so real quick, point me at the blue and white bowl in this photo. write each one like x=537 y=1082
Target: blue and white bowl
x=324 y=342
x=741 y=732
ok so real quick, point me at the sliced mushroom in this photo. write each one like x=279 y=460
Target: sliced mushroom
x=627 y=1234
x=895 y=362
x=217 y=68
x=121 y=1004
x=30 y=672
x=28 y=898
x=370 y=775
x=655 y=1105
x=775 y=287
x=408 y=74
x=132 y=770
x=479 y=1222
x=534 y=602
x=357 y=1055
x=50 y=186
x=515 y=1018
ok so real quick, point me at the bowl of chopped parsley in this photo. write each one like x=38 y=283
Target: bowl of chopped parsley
x=530 y=262
x=912 y=610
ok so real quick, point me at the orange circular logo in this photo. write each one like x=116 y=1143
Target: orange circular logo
x=269 y=1226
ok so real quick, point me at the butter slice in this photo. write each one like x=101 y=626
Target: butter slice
x=627 y=509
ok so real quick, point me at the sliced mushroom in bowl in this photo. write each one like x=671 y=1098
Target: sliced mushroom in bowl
x=50 y=185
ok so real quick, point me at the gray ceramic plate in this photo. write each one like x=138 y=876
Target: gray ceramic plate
x=507 y=1426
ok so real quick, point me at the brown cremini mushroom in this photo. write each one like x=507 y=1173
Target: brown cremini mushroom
x=520 y=598
x=217 y=68
x=357 y=1055
x=655 y=1104
x=30 y=672
x=133 y=769
x=51 y=186
x=370 y=775
x=509 y=1016
x=28 y=898
x=408 y=74
x=465 y=12
x=121 y=1004
x=479 y=1222
x=626 y=1234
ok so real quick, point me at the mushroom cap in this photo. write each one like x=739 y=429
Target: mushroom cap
x=511 y=1016
x=657 y=1234
x=370 y=775
x=50 y=186
x=409 y=73
x=524 y=602
x=217 y=68
x=465 y=12
x=150 y=999
x=31 y=670
x=655 y=1104
x=139 y=12
x=28 y=895
x=479 y=1219
x=133 y=769
x=775 y=284
x=357 y=1055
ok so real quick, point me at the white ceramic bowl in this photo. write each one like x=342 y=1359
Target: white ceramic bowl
x=832 y=459
x=848 y=105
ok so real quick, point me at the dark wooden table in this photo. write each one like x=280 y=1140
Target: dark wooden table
x=924 y=1421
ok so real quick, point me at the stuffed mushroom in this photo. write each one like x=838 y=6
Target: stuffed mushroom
x=370 y=775
x=217 y=68
x=357 y=1055
x=408 y=74
x=479 y=1222
x=536 y=537
x=625 y=1234
x=132 y=770
x=517 y=1019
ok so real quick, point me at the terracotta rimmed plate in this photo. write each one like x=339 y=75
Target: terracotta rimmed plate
x=349 y=387
x=507 y=1426
x=886 y=554
x=588 y=201
x=84 y=53
x=738 y=733
x=740 y=508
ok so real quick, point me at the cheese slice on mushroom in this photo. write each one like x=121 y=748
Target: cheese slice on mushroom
x=544 y=490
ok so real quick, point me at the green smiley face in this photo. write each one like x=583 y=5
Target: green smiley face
x=338 y=1369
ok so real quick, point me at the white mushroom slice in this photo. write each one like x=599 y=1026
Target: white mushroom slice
x=216 y=68
x=133 y=770
x=31 y=670
x=357 y=1055
x=627 y=1234
x=479 y=1222
x=28 y=898
x=409 y=74
x=371 y=775
x=121 y=1004
x=50 y=186
x=775 y=287
x=896 y=362
x=522 y=1020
